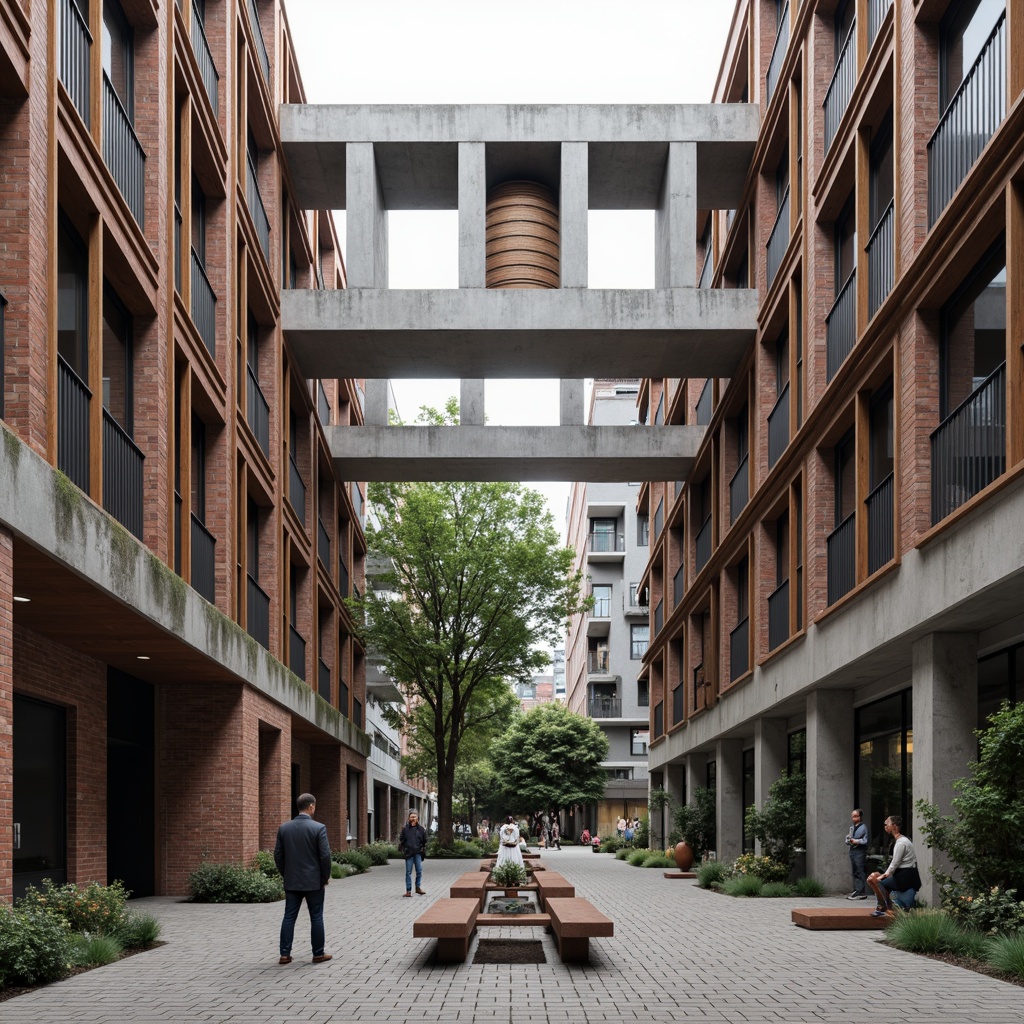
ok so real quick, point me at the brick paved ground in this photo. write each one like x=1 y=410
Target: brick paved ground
x=678 y=953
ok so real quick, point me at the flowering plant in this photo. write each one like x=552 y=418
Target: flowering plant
x=765 y=868
x=994 y=911
x=93 y=908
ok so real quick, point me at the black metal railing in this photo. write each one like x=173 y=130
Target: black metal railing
x=739 y=489
x=881 y=260
x=840 y=89
x=702 y=545
x=323 y=407
x=778 y=240
x=606 y=543
x=969 y=446
x=343 y=588
x=177 y=248
x=75 y=47
x=739 y=650
x=842 y=558
x=204 y=305
x=771 y=79
x=605 y=707
x=706 y=270
x=357 y=713
x=296 y=652
x=177 y=533
x=597 y=661
x=880 y=524
x=122 y=152
x=778 y=616
x=323 y=680
x=659 y=616
x=778 y=427
x=122 y=476
x=261 y=46
x=343 y=697
x=877 y=10
x=257 y=209
x=678 y=586
x=201 y=47
x=323 y=542
x=659 y=718
x=258 y=620
x=678 y=695
x=703 y=409
x=972 y=116
x=73 y=399
x=257 y=411
x=841 y=326
x=204 y=563
x=296 y=489
x=659 y=519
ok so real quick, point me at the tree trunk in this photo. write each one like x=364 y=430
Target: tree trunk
x=445 y=794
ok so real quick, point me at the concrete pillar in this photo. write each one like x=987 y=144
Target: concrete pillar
x=675 y=224
x=375 y=410
x=675 y=786
x=945 y=701
x=729 y=794
x=696 y=774
x=570 y=411
x=573 y=209
x=769 y=758
x=472 y=215
x=366 y=219
x=829 y=785
x=471 y=402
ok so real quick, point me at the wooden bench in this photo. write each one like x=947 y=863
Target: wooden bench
x=530 y=865
x=551 y=885
x=839 y=919
x=471 y=885
x=452 y=922
x=575 y=922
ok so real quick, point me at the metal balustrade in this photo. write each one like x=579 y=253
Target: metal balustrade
x=659 y=719
x=972 y=116
x=969 y=446
x=204 y=563
x=256 y=208
x=122 y=152
x=659 y=616
x=842 y=558
x=881 y=255
x=73 y=398
x=703 y=409
x=204 y=58
x=75 y=48
x=597 y=662
x=323 y=680
x=739 y=489
x=296 y=652
x=677 y=704
x=204 y=305
x=678 y=586
x=841 y=327
x=778 y=616
x=771 y=79
x=605 y=707
x=778 y=427
x=702 y=545
x=778 y=240
x=840 y=89
x=261 y=46
x=323 y=407
x=257 y=411
x=258 y=619
x=323 y=542
x=122 y=476
x=296 y=489
x=606 y=543
x=881 y=523
x=877 y=10
x=739 y=650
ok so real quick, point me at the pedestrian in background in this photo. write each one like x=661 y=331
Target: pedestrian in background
x=412 y=844
x=857 y=841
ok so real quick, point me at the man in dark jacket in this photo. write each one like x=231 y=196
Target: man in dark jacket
x=413 y=845
x=303 y=856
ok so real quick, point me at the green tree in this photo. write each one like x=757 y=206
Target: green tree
x=551 y=758
x=476 y=579
x=696 y=822
x=781 y=825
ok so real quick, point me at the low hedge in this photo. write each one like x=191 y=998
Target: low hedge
x=230 y=883
x=460 y=849
x=357 y=859
x=35 y=947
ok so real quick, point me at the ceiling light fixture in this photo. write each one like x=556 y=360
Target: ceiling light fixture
x=142 y=657
x=21 y=600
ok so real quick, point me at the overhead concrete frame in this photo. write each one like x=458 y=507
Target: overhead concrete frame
x=673 y=159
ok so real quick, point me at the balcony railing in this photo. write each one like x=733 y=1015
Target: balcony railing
x=207 y=69
x=342 y=577
x=841 y=326
x=323 y=680
x=73 y=399
x=771 y=79
x=702 y=545
x=659 y=616
x=605 y=707
x=597 y=662
x=842 y=558
x=706 y=271
x=739 y=489
x=177 y=248
x=659 y=719
x=703 y=409
x=261 y=46
x=778 y=240
x=204 y=306
x=606 y=543
x=778 y=427
x=122 y=476
x=296 y=652
x=969 y=446
x=678 y=586
x=739 y=650
x=323 y=542
x=840 y=89
x=659 y=519
x=256 y=208
x=258 y=622
x=880 y=525
x=257 y=411
x=677 y=704
x=877 y=10
x=122 y=152
x=974 y=113
x=204 y=564
x=296 y=489
x=75 y=47
x=881 y=261
x=778 y=616
x=323 y=407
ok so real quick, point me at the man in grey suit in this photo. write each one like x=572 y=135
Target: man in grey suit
x=303 y=856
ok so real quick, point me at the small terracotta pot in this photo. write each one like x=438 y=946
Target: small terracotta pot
x=684 y=856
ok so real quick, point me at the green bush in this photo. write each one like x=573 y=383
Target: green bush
x=343 y=870
x=612 y=844
x=393 y=851
x=263 y=861
x=623 y=853
x=96 y=950
x=926 y=931
x=776 y=890
x=1006 y=953
x=809 y=888
x=230 y=883
x=509 y=875
x=35 y=947
x=743 y=885
x=642 y=835
x=656 y=860
x=711 y=874
x=138 y=930
x=460 y=849
x=354 y=858
x=637 y=857
x=780 y=826
x=377 y=852
x=695 y=822
x=92 y=908
x=994 y=911
x=765 y=868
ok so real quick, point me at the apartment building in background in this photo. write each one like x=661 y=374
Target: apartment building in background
x=836 y=585
x=605 y=645
x=176 y=659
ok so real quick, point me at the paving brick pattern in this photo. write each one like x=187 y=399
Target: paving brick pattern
x=678 y=953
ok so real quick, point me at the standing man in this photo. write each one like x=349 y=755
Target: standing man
x=857 y=841
x=412 y=844
x=303 y=856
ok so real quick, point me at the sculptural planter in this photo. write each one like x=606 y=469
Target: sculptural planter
x=684 y=856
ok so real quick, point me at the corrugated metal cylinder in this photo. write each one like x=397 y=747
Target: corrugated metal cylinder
x=522 y=236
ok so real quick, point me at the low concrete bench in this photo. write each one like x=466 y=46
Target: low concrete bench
x=575 y=922
x=452 y=922
x=471 y=885
x=551 y=885
x=839 y=919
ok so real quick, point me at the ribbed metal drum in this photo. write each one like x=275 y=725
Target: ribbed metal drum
x=522 y=236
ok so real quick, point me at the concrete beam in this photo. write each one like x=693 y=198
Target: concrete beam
x=679 y=332
x=514 y=453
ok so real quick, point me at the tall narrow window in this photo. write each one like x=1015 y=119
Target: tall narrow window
x=844 y=18
x=117 y=361
x=72 y=299
x=198 y=221
x=845 y=484
x=962 y=36
x=252 y=538
x=118 y=55
x=198 y=468
x=602 y=594
x=881 y=170
x=881 y=455
x=782 y=361
x=845 y=246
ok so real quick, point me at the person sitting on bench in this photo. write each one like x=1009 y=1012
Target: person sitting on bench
x=901 y=880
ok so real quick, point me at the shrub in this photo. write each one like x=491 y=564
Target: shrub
x=612 y=844
x=642 y=836
x=809 y=888
x=229 y=883
x=354 y=858
x=377 y=852
x=711 y=874
x=96 y=950
x=1006 y=953
x=656 y=860
x=696 y=822
x=623 y=853
x=776 y=890
x=743 y=885
x=342 y=870
x=926 y=931
x=393 y=851
x=138 y=930
x=35 y=947
x=460 y=849
x=780 y=826
x=509 y=875
x=765 y=868
x=994 y=911
x=637 y=857
x=93 y=908
x=263 y=861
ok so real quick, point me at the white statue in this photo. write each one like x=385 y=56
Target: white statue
x=508 y=844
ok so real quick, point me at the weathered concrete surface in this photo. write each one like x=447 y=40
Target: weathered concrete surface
x=513 y=453
x=677 y=332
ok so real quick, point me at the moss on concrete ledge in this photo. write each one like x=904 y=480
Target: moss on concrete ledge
x=170 y=591
x=69 y=510
x=12 y=446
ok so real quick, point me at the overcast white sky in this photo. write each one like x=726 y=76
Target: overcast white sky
x=526 y=51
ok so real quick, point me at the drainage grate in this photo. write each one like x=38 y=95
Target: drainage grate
x=510 y=951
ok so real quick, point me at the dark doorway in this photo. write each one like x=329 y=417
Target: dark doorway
x=131 y=783
x=40 y=793
x=296 y=788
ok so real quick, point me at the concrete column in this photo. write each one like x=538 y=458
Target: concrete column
x=573 y=207
x=366 y=219
x=696 y=774
x=375 y=411
x=945 y=700
x=472 y=215
x=829 y=785
x=675 y=786
x=471 y=402
x=675 y=224
x=570 y=411
x=769 y=758
x=729 y=793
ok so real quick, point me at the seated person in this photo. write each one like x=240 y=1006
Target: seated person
x=901 y=878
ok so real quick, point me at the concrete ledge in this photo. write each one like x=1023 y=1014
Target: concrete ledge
x=521 y=920
x=840 y=919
